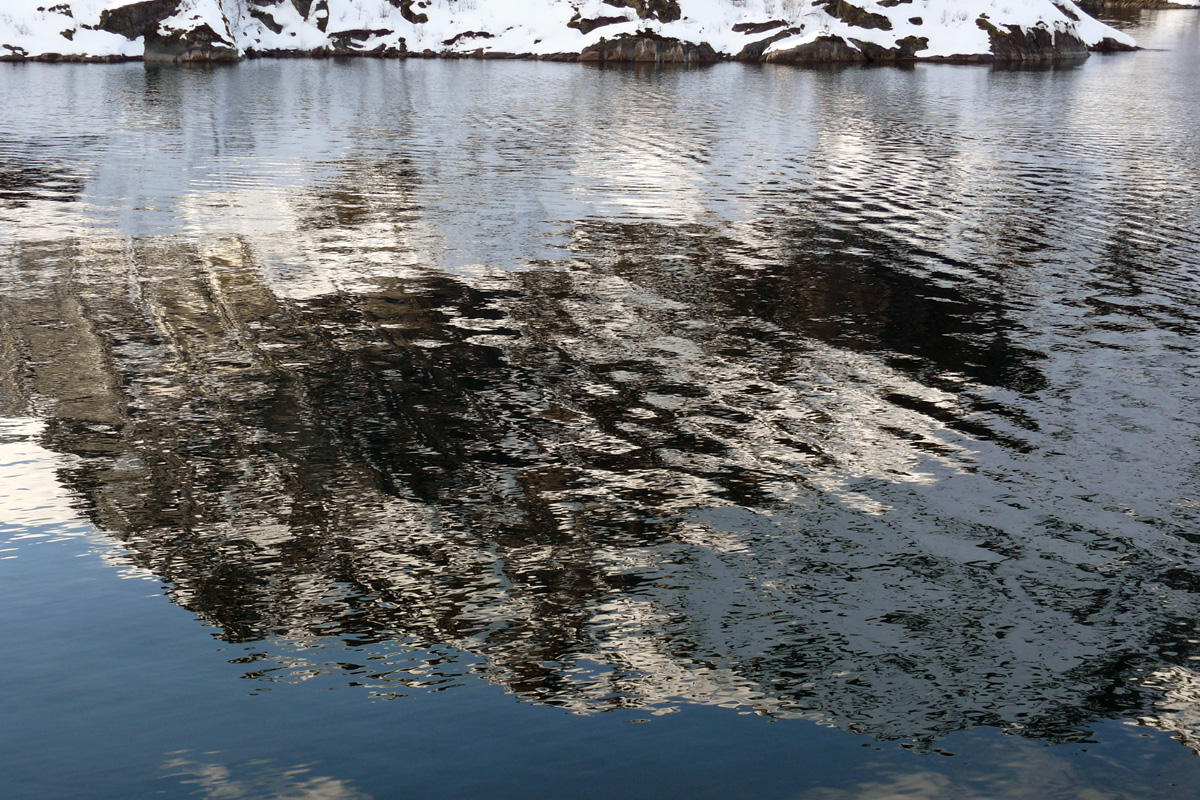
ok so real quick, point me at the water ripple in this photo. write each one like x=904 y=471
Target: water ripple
x=860 y=395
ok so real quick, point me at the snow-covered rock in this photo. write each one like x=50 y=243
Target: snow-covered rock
x=694 y=31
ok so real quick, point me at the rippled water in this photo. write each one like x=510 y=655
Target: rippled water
x=861 y=400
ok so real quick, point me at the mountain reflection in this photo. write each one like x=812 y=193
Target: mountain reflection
x=637 y=480
x=220 y=782
x=26 y=175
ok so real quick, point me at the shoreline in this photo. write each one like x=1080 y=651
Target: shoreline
x=823 y=32
x=325 y=54
x=983 y=59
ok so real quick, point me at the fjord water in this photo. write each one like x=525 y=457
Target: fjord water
x=475 y=429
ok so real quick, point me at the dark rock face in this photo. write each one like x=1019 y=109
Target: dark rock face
x=406 y=11
x=1017 y=44
x=662 y=10
x=200 y=44
x=266 y=19
x=588 y=25
x=351 y=43
x=11 y=52
x=467 y=35
x=906 y=49
x=823 y=50
x=342 y=44
x=135 y=20
x=321 y=15
x=754 y=51
x=648 y=48
x=145 y=19
x=1110 y=45
x=1067 y=11
x=758 y=27
x=853 y=15
x=834 y=49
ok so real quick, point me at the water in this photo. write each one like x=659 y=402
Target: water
x=476 y=429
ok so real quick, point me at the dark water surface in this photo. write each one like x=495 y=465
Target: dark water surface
x=412 y=429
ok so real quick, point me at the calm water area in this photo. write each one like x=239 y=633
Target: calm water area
x=455 y=429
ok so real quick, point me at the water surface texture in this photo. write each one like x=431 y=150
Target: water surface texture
x=840 y=427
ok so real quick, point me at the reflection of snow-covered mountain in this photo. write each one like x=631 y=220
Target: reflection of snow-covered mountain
x=635 y=398
x=555 y=472
x=784 y=30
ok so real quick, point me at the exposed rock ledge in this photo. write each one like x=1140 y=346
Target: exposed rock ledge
x=1099 y=5
x=602 y=31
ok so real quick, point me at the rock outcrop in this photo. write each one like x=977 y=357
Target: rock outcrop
x=1098 y=5
x=172 y=31
x=201 y=44
x=649 y=48
x=834 y=49
x=134 y=19
x=684 y=32
x=1017 y=44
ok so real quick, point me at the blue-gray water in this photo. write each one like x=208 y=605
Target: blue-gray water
x=475 y=429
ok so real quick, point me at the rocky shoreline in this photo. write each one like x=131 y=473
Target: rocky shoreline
x=688 y=32
x=1101 y=5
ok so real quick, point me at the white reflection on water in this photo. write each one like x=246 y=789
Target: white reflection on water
x=31 y=496
x=255 y=780
x=36 y=508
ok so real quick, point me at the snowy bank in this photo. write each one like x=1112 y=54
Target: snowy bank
x=690 y=31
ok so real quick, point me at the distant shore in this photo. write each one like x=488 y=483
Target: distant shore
x=688 y=32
